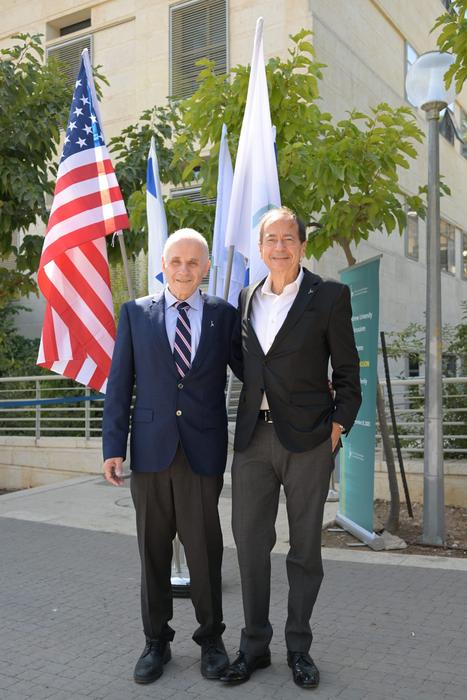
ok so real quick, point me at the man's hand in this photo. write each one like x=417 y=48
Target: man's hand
x=335 y=435
x=113 y=470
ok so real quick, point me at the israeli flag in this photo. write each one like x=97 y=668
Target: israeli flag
x=255 y=187
x=157 y=222
x=219 y=252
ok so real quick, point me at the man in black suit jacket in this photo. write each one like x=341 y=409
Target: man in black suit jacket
x=175 y=347
x=288 y=427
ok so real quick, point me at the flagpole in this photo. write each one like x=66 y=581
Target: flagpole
x=228 y=271
x=214 y=277
x=119 y=234
x=228 y=275
x=65 y=348
x=157 y=235
x=255 y=186
x=129 y=284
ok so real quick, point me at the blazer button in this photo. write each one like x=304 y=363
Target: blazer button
x=178 y=413
x=180 y=386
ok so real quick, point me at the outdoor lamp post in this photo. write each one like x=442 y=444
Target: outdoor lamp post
x=425 y=88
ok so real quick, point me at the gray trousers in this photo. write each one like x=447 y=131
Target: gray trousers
x=178 y=500
x=257 y=475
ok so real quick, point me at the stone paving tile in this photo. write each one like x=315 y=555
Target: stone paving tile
x=71 y=626
x=7 y=682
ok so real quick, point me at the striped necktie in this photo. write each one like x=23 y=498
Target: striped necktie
x=182 y=343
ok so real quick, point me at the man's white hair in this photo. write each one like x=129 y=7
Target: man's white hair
x=185 y=234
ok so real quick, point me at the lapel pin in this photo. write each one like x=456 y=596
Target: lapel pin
x=212 y=324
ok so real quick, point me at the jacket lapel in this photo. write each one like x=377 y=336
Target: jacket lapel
x=207 y=325
x=246 y=316
x=157 y=319
x=304 y=299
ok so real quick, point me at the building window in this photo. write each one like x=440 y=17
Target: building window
x=75 y=27
x=413 y=362
x=464 y=255
x=198 y=29
x=411 y=236
x=449 y=365
x=410 y=57
x=463 y=134
x=68 y=53
x=193 y=194
x=447 y=247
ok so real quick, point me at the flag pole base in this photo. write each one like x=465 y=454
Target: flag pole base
x=180 y=579
x=373 y=540
x=180 y=587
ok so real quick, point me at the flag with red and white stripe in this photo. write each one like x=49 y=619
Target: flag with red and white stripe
x=78 y=333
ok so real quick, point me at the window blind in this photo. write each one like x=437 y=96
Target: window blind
x=69 y=55
x=198 y=29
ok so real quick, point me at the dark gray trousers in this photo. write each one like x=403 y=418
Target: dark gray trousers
x=257 y=475
x=177 y=500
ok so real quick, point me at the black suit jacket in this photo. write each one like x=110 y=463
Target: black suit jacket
x=294 y=372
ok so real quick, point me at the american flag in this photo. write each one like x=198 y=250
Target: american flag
x=78 y=334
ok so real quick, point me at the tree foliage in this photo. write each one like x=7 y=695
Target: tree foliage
x=130 y=149
x=453 y=38
x=343 y=176
x=411 y=340
x=33 y=103
x=17 y=354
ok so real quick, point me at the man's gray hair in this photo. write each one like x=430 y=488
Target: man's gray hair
x=186 y=234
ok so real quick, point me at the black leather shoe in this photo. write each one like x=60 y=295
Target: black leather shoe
x=242 y=668
x=150 y=664
x=304 y=670
x=214 y=659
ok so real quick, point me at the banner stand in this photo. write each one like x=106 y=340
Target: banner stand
x=357 y=459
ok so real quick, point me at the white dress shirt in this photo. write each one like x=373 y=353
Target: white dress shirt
x=269 y=311
x=195 y=315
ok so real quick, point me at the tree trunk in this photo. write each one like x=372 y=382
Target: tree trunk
x=345 y=245
x=392 y=522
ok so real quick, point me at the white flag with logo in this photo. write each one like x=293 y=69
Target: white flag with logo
x=255 y=187
x=157 y=222
x=219 y=251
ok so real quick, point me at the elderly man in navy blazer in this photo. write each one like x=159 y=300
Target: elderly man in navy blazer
x=175 y=347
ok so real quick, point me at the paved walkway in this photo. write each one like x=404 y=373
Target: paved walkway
x=387 y=626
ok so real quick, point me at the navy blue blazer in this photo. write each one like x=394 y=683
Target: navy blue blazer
x=168 y=410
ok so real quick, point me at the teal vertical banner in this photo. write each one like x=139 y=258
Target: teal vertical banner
x=357 y=463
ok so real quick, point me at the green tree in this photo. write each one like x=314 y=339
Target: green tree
x=342 y=176
x=411 y=342
x=33 y=103
x=17 y=354
x=453 y=38
x=130 y=149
